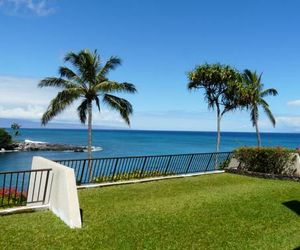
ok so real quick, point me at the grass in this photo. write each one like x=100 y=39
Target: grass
x=223 y=211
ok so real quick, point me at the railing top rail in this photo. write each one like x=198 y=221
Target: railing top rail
x=140 y=156
x=26 y=171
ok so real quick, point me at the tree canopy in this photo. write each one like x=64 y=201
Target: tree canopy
x=220 y=83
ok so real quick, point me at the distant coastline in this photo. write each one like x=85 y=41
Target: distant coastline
x=153 y=130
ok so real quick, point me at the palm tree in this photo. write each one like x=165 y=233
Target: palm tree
x=87 y=82
x=255 y=95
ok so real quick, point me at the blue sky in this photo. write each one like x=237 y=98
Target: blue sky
x=159 y=42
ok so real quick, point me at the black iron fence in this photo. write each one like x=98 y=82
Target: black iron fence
x=19 y=188
x=100 y=170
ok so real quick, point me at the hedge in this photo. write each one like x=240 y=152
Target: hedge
x=266 y=160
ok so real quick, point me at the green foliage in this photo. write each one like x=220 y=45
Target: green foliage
x=266 y=160
x=224 y=164
x=253 y=97
x=254 y=94
x=14 y=201
x=130 y=175
x=87 y=80
x=219 y=83
x=5 y=138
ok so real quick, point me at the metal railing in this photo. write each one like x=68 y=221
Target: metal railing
x=19 y=188
x=100 y=170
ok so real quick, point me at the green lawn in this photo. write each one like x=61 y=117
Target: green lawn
x=223 y=211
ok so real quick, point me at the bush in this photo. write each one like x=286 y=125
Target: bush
x=266 y=160
x=5 y=138
x=130 y=175
x=12 y=197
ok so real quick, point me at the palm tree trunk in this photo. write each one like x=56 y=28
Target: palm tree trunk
x=90 y=140
x=218 y=130
x=257 y=134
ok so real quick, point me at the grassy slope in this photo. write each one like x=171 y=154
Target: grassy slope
x=207 y=212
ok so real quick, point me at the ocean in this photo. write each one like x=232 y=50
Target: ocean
x=137 y=142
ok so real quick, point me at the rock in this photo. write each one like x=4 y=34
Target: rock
x=31 y=146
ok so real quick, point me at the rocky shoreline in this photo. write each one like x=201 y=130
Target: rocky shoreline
x=33 y=146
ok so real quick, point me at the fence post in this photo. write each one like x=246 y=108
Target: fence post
x=168 y=164
x=114 y=171
x=46 y=186
x=190 y=162
x=228 y=155
x=82 y=172
x=209 y=162
x=144 y=164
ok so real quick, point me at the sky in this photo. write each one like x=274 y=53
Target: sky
x=159 y=41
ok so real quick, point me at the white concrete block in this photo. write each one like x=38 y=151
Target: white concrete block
x=233 y=163
x=63 y=197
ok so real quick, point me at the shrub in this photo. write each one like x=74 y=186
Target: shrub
x=5 y=138
x=266 y=160
x=224 y=164
x=130 y=175
x=12 y=197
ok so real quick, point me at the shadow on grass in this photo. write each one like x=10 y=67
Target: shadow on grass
x=293 y=205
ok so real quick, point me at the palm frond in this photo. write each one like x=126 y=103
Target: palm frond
x=86 y=62
x=89 y=64
x=97 y=102
x=68 y=73
x=82 y=111
x=119 y=104
x=111 y=64
x=250 y=76
x=267 y=92
x=56 y=82
x=268 y=112
x=59 y=103
x=111 y=86
x=72 y=58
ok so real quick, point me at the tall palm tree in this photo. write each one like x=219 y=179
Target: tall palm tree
x=255 y=94
x=87 y=81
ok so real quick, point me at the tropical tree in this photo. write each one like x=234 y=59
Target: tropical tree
x=16 y=129
x=5 y=138
x=220 y=85
x=87 y=81
x=254 y=99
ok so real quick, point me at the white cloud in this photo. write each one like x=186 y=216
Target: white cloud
x=25 y=7
x=20 y=98
x=27 y=112
x=294 y=103
x=289 y=121
x=19 y=91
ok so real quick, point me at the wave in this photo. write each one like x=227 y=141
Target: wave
x=2 y=150
x=95 y=149
x=37 y=142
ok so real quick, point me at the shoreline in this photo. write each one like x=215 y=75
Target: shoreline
x=27 y=146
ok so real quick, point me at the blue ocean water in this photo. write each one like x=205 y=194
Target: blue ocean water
x=136 y=142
